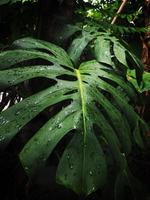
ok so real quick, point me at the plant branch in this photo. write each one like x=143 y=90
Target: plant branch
x=119 y=11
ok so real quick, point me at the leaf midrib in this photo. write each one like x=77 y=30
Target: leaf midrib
x=84 y=111
x=83 y=101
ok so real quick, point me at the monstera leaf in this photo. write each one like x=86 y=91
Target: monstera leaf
x=97 y=110
x=107 y=48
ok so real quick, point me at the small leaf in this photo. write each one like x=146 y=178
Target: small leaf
x=120 y=54
x=59 y=53
x=94 y=102
x=78 y=45
x=102 y=50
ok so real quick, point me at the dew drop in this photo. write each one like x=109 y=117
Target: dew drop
x=26 y=168
x=50 y=128
x=17 y=113
x=60 y=125
x=74 y=127
x=123 y=154
x=93 y=188
x=91 y=173
x=34 y=109
x=3 y=121
x=68 y=156
x=18 y=127
x=71 y=166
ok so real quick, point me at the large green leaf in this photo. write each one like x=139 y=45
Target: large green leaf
x=107 y=49
x=78 y=45
x=102 y=50
x=146 y=81
x=96 y=107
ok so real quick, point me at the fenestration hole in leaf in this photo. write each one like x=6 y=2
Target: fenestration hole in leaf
x=71 y=92
x=106 y=149
x=102 y=110
x=105 y=66
x=59 y=148
x=85 y=82
x=67 y=77
x=55 y=108
x=67 y=68
x=45 y=51
x=33 y=61
x=108 y=81
x=105 y=93
x=42 y=83
x=86 y=73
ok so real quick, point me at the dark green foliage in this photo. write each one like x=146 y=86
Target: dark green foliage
x=98 y=106
x=84 y=113
x=145 y=85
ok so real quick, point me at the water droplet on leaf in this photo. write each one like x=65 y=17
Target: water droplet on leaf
x=60 y=125
x=3 y=121
x=26 y=169
x=18 y=127
x=17 y=113
x=93 y=188
x=74 y=127
x=50 y=128
x=71 y=166
x=91 y=173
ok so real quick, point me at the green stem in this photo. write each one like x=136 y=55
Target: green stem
x=83 y=101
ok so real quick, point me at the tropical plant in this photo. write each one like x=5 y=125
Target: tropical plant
x=146 y=81
x=96 y=110
x=145 y=85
